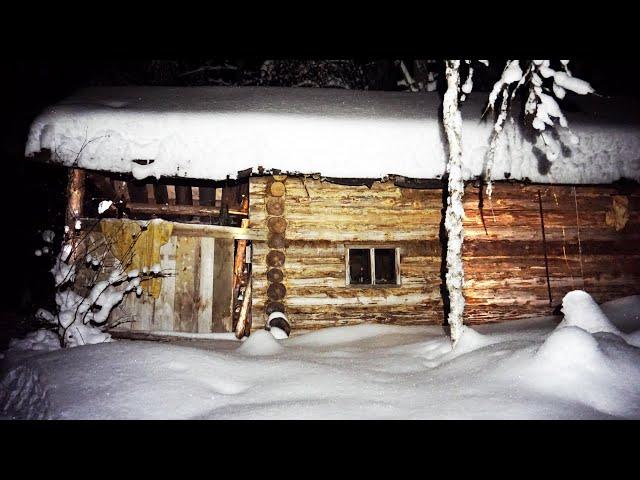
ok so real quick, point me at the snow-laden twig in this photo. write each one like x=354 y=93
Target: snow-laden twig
x=541 y=105
x=82 y=317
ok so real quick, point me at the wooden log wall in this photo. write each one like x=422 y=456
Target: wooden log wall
x=308 y=259
x=505 y=272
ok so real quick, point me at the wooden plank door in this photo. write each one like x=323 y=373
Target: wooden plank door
x=223 y=285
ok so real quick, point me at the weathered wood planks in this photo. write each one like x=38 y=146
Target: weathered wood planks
x=223 y=285
x=195 y=293
x=187 y=282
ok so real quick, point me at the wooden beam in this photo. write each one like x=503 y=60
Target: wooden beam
x=197 y=230
x=197 y=210
x=75 y=196
x=137 y=192
x=184 y=195
x=223 y=285
x=238 y=267
x=122 y=192
x=244 y=322
x=103 y=184
x=75 y=201
x=207 y=196
x=160 y=194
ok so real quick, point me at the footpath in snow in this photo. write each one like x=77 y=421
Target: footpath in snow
x=586 y=367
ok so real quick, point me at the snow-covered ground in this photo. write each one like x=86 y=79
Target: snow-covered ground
x=587 y=367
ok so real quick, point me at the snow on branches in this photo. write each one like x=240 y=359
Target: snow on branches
x=545 y=85
x=83 y=307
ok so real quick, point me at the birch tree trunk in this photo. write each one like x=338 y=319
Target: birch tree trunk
x=455 y=211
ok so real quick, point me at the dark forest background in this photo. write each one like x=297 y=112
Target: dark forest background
x=34 y=193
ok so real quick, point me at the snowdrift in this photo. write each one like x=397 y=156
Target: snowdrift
x=586 y=367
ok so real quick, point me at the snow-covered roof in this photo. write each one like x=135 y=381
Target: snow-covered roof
x=212 y=132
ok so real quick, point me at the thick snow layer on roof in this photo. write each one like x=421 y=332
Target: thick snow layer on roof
x=212 y=132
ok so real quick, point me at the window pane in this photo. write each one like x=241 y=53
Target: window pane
x=385 y=266
x=360 y=266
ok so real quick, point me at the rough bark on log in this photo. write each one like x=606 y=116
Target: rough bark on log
x=276 y=292
x=275 y=275
x=274 y=307
x=275 y=206
x=276 y=240
x=277 y=224
x=277 y=189
x=275 y=258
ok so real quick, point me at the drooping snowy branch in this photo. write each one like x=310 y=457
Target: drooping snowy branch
x=512 y=74
x=540 y=107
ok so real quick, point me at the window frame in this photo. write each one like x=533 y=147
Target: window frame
x=372 y=261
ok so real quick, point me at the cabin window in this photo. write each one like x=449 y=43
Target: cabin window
x=373 y=266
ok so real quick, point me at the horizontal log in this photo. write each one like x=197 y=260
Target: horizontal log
x=516 y=218
x=216 y=231
x=491 y=248
x=507 y=232
x=314 y=311
x=197 y=210
x=359 y=233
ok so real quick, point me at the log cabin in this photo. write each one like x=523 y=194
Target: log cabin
x=325 y=207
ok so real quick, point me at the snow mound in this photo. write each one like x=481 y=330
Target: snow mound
x=341 y=335
x=42 y=339
x=581 y=310
x=598 y=370
x=471 y=340
x=439 y=351
x=23 y=396
x=633 y=338
x=260 y=343
x=570 y=346
x=624 y=312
